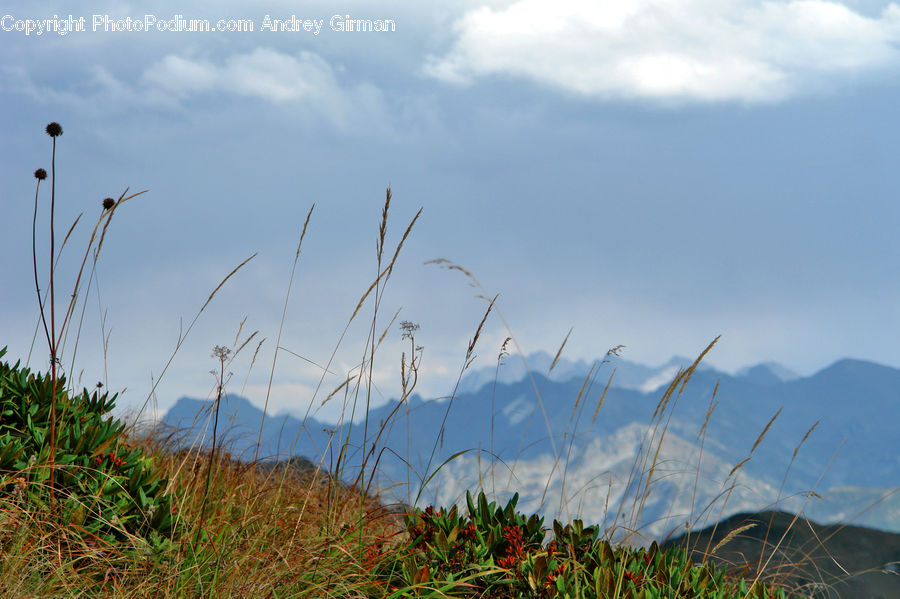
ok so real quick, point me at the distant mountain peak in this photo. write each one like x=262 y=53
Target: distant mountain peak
x=629 y=375
x=771 y=370
x=682 y=362
x=855 y=365
x=512 y=369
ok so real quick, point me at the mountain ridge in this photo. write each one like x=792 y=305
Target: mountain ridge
x=518 y=432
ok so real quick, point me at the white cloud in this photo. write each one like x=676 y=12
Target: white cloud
x=263 y=73
x=181 y=76
x=271 y=76
x=305 y=81
x=100 y=95
x=700 y=50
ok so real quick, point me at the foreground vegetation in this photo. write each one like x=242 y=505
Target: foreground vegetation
x=131 y=519
x=91 y=508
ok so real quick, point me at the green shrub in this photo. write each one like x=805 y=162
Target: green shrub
x=497 y=552
x=104 y=487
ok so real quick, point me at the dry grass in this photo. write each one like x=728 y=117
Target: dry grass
x=266 y=533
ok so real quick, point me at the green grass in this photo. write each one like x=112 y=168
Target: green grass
x=244 y=530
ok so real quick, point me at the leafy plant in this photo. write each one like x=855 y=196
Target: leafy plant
x=104 y=486
x=497 y=552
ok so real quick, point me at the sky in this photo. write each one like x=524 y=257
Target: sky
x=652 y=173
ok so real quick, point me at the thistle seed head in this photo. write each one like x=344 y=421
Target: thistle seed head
x=54 y=129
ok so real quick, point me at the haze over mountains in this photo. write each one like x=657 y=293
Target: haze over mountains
x=596 y=467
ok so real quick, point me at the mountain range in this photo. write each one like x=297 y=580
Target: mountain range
x=567 y=458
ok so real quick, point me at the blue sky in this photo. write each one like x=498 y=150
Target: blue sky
x=652 y=173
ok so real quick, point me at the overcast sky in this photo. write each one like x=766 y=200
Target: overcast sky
x=651 y=173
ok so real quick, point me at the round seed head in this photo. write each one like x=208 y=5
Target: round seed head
x=54 y=129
